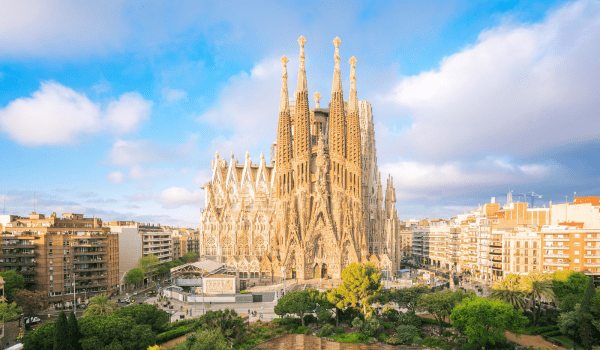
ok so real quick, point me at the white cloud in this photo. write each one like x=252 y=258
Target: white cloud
x=137 y=172
x=128 y=153
x=173 y=95
x=248 y=106
x=202 y=177
x=175 y=197
x=126 y=114
x=116 y=177
x=56 y=28
x=417 y=180
x=56 y=114
x=519 y=90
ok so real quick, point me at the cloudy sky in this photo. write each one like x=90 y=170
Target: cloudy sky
x=115 y=108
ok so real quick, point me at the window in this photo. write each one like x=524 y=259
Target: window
x=526 y=261
x=576 y=261
x=526 y=268
x=577 y=244
x=577 y=235
x=526 y=244
x=50 y=243
x=517 y=268
x=51 y=277
x=535 y=245
x=50 y=252
x=577 y=252
x=576 y=269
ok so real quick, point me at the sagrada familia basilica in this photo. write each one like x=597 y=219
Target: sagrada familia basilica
x=314 y=209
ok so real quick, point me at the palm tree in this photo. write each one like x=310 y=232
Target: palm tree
x=538 y=287
x=100 y=305
x=510 y=291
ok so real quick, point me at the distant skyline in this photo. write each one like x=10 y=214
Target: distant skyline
x=115 y=109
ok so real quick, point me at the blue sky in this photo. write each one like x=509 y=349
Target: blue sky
x=115 y=108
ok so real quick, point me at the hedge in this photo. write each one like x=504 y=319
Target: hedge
x=434 y=322
x=540 y=330
x=552 y=333
x=172 y=334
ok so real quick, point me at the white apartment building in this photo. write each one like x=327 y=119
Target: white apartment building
x=437 y=246
x=522 y=251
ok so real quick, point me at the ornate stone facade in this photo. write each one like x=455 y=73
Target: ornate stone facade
x=316 y=208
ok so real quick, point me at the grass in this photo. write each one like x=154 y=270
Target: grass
x=351 y=338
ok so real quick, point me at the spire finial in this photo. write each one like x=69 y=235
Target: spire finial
x=284 y=100
x=302 y=71
x=317 y=97
x=352 y=62
x=337 y=79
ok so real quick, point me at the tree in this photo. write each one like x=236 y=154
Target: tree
x=61 y=333
x=588 y=334
x=484 y=321
x=100 y=305
x=299 y=303
x=74 y=333
x=102 y=331
x=31 y=302
x=336 y=300
x=538 y=286
x=208 y=339
x=12 y=282
x=510 y=290
x=568 y=286
x=440 y=304
x=134 y=275
x=359 y=283
x=407 y=297
x=145 y=314
x=8 y=312
x=148 y=264
x=188 y=257
x=40 y=339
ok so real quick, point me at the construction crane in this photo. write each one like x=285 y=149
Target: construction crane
x=532 y=195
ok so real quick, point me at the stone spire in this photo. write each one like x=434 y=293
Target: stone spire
x=317 y=97
x=337 y=75
x=284 y=100
x=353 y=104
x=302 y=71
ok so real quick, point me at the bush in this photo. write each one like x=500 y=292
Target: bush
x=417 y=340
x=339 y=330
x=326 y=330
x=394 y=341
x=406 y=334
x=287 y=321
x=357 y=323
x=383 y=337
x=432 y=342
x=552 y=333
x=391 y=314
x=540 y=330
x=434 y=322
x=446 y=333
x=370 y=326
x=351 y=338
x=350 y=314
x=303 y=330
x=172 y=334
x=308 y=319
x=244 y=292
x=386 y=325
x=409 y=319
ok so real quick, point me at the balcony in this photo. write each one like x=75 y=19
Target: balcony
x=555 y=247
x=560 y=256
x=592 y=264
x=591 y=255
x=18 y=263
x=556 y=264
x=87 y=261
x=99 y=252
x=89 y=245
x=16 y=254
x=550 y=239
x=92 y=277
x=592 y=239
x=90 y=269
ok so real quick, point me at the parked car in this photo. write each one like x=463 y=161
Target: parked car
x=32 y=320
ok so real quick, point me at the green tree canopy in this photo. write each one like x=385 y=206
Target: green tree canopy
x=9 y=311
x=208 y=339
x=440 y=304
x=568 y=288
x=149 y=265
x=61 y=333
x=31 y=302
x=359 y=283
x=40 y=339
x=145 y=314
x=189 y=256
x=538 y=287
x=407 y=297
x=100 y=305
x=299 y=303
x=336 y=300
x=510 y=290
x=588 y=334
x=484 y=321
x=100 y=332
x=74 y=332
x=12 y=282
x=134 y=275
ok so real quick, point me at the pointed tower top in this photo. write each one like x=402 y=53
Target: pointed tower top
x=337 y=79
x=353 y=105
x=262 y=155
x=217 y=155
x=231 y=155
x=317 y=97
x=302 y=71
x=284 y=101
x=248 y=156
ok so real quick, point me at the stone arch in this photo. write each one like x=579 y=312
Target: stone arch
x=227 y=245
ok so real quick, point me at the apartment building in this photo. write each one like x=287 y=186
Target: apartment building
x=584 y=212
x=568 y=248
x=522 y=251
x=64 y=257
x=157 y=242
x=437 y=246
x=405 y=238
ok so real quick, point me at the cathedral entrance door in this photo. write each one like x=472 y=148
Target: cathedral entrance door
x=316 y=271
x=324 y=271
x=293 y=274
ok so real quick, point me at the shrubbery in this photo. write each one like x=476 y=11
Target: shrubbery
x=352 y=338
x=326 y=330
x=172 y=334
x=391 y=314
x=410 y=319
x=303 y=330
x=406 y=334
